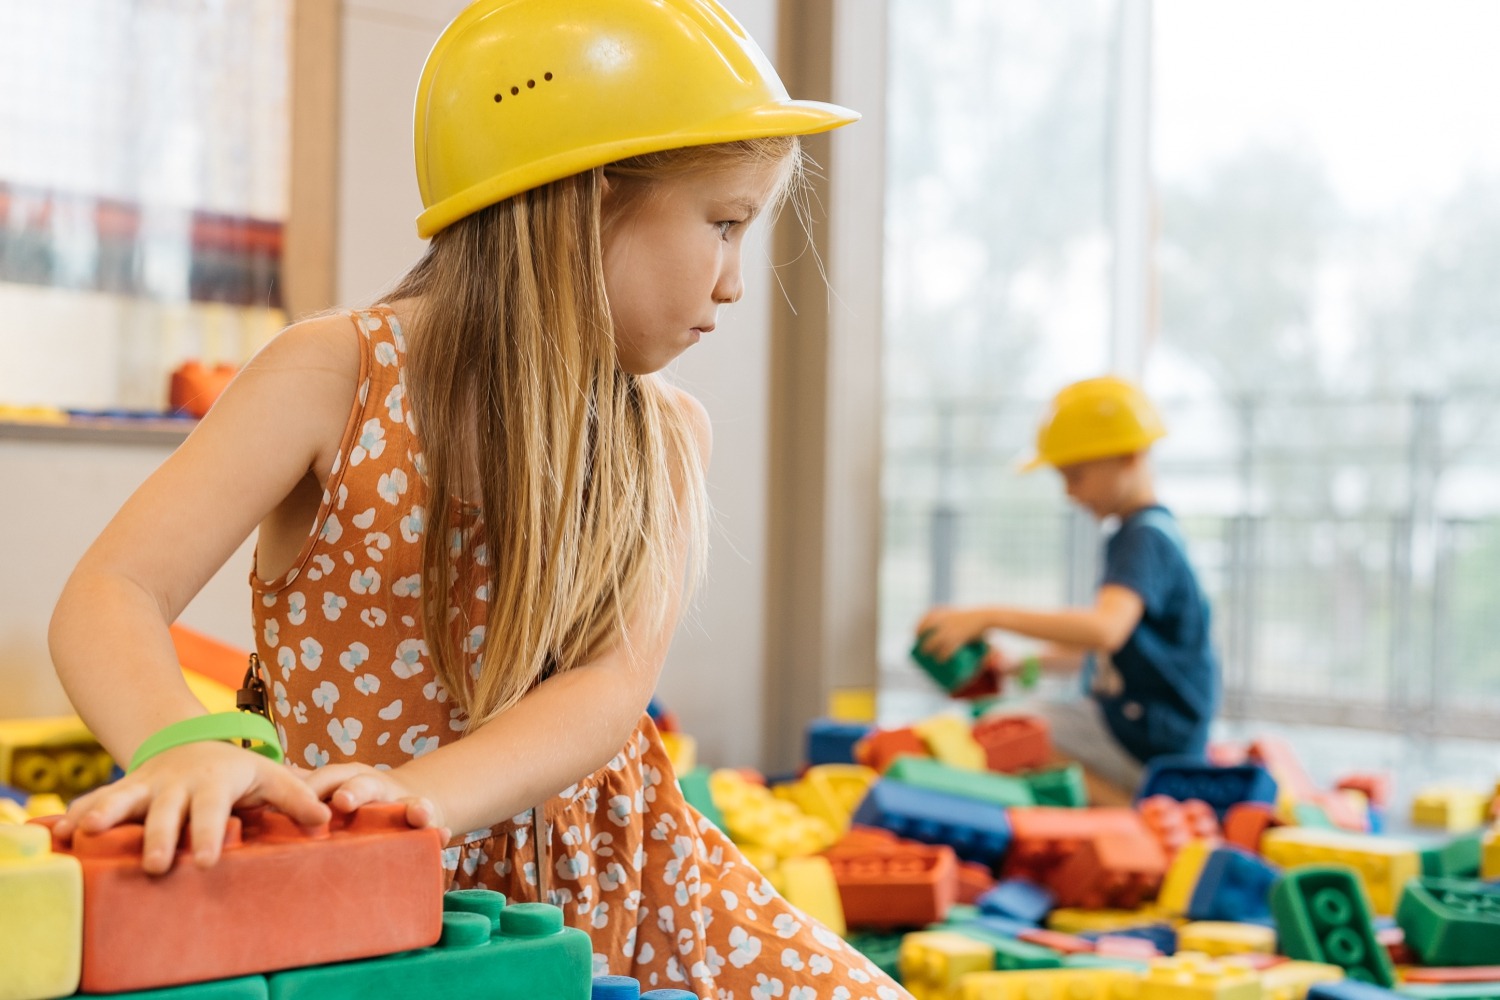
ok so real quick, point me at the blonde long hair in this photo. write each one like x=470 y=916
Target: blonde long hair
x=519 y=400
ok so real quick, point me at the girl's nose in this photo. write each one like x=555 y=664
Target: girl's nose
x=731 y=289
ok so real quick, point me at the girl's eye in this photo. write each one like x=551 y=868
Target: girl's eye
x=727 y=226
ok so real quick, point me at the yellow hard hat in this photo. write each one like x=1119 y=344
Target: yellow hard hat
x=1095 y=418
x=518 y=93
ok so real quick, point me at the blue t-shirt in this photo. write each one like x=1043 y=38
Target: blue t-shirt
x=1160 y=690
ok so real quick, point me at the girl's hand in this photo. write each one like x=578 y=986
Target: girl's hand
x=197 y=784
x=346 y=787
x=943 y=631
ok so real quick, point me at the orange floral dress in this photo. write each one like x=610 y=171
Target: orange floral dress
x=662 y=892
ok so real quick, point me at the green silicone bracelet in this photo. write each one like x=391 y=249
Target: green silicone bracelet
x=218 y=726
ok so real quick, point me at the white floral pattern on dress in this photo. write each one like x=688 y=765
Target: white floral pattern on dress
x=664 y=895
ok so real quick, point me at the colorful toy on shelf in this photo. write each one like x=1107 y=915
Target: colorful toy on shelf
x=310 y=889
x=194 y=386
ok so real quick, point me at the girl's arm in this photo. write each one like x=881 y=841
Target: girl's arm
x=566 y=728
x=277 y=423
x=1105 y=626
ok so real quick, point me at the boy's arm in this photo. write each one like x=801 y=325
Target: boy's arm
x=1105 y=626
x=567 y=727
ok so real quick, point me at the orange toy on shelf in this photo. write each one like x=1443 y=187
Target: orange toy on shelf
x=195 y=386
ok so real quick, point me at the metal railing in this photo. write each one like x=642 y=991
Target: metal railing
x=1354 y=574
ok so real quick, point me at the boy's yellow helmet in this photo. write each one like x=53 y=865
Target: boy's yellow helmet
x=1095 y=418
x=518 y=93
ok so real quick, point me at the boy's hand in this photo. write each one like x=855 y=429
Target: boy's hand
x=197 y=784
x=943 y=631
x=346 y=787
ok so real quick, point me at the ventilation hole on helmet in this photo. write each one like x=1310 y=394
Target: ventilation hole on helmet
x=497 y=98
x=514 y=91
x=530 y=84
x=547 y=76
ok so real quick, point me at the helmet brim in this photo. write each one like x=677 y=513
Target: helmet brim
x=782 y=118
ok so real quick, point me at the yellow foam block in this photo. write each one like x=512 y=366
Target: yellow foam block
x=932 y=962
x=1291 y=980
x=214 y=696
x=1456 y=810
x=1182 y=876
x=1220 y=937
x=1070 y=920
x=830 y=792
x=1489 y=860
x=951 y=740
x=1194 y=976
x=756 y=818
x=1385 y=864
x=852 y=705
x=809 y=885
x=41 y=921
x=52 y=755
x=1052 y=984
x=682 y=751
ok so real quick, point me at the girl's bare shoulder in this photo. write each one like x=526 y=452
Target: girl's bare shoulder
x=695 y=416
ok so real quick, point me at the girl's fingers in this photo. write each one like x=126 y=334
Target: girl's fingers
x=288 y=790
x=112 y=806
x=326 y=780
x=163 y=828
x=209 y=813
x=357 y=791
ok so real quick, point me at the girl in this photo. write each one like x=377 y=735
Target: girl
x=477 y=504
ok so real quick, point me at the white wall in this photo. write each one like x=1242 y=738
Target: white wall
x=58 y=496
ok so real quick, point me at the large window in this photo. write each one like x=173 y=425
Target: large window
x=143 y=186
x=1325 y=206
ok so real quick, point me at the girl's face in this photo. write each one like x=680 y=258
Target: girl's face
x=672 y=257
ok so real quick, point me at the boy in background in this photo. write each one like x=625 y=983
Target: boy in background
x=1143 y=646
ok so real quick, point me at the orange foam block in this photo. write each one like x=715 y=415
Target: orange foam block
x=907 y=885
x=279 y=897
